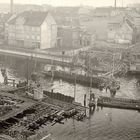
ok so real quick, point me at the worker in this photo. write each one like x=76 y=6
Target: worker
x=5 y=80
x=113 y=91
x=107 y=87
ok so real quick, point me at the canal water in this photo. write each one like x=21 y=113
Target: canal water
x=102 y=123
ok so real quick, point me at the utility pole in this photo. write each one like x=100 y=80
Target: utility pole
x=74 y=86
x=113 y=65
x=27 y=70
x=11 y=6
x=115 y=4
x=122 y=3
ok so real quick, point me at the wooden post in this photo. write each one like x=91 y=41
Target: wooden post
x=27 y=72
x=85 y=102
x=63 y=53
x=74 y=86
x=14 y=83
x=84 y=99
x=5 y=80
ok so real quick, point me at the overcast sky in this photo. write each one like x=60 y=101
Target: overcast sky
x=74 y=2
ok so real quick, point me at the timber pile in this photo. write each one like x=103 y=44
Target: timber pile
x=26 y=123
x=7 y=104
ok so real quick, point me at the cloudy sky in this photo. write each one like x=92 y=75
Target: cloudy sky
x=74 y=2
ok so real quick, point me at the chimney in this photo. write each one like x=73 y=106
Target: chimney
x=11 y=7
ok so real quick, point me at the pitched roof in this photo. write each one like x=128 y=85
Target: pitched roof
x=31 y=18
x=133 y=14
x=66 y=15
x=4 y=17
x=84 y=10
x=102 y=10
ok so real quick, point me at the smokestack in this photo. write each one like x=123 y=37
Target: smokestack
x=11 y=7
x=115 y=4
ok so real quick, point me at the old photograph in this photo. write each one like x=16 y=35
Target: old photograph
x=69 y=69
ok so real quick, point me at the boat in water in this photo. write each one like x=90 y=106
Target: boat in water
x=80 y=79
x=113 y=102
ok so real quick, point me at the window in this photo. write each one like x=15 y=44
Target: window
x=27 y=36
x=13 y=34
x=38 y=37
x=138 y=56
x=33 y=28
x=9 y=34
x=12 y=27
x=37 y=29
x=26 y=28
x=33 y=37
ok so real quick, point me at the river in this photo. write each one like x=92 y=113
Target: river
x=102 y=124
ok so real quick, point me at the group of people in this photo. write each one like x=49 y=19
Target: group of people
x=112 y=86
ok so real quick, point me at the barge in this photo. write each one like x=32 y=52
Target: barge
x=79 y=78
x=112 y=102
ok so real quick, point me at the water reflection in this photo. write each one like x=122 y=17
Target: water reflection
x=104 y=123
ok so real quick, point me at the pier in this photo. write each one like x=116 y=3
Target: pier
x=24 y=115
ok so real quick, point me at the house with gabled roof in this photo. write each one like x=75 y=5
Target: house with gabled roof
x=3 y=18
x=31 y=29
x=122 y=34
x=122 y=30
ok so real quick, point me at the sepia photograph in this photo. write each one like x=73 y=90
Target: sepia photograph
x=69 y=69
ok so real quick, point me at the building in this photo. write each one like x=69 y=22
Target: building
x=106 y=12
x=113 y=27
x=68 y=37
x=120 y=30
x=74 y=37
x=134 y=18
x=3 y=19
x=66 y=16
x=102 y=12
x=31 y=29
x=122 y=34
x=84 y=14
x=132 y=58
x=125 y=31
